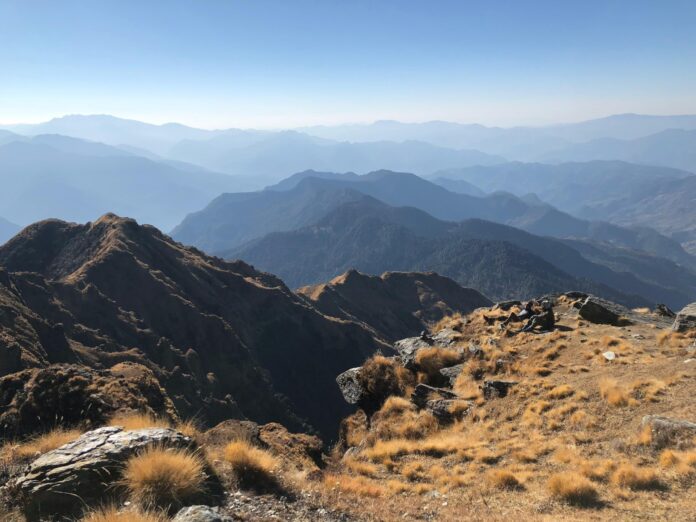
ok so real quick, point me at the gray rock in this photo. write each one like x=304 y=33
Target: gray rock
x=686 y=319
x=83 y=472
x=452 y=373
x=350 y=386
x=201 y=514
x=506 y=305
x=423 y=393
x=669 y=432
x=449 y=410
x=599 y=311
x=408 y=349
x=495 y=389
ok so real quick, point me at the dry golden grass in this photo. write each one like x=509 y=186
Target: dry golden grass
x=573 y=488
x=44 y=443
x=615 y=394
x=598 y=470
x=356 y=485
x=164 y=478
x=360 y=467
x=138 y=421
x=114 y=514
x=432 y=360
x=561 y=392
x=503 y=479
x=253 y=467
x=632 y=477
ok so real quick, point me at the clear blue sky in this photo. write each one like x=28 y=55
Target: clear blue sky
x=278 y=63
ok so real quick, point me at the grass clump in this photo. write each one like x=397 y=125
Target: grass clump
x=138 y=421
x=432 y=360
x=164 y=478
x=573 y=488
x=253 y=467
x=45 y=442
x=615 y=394
x=632 y=477
x=503 y=479
x=113 y=514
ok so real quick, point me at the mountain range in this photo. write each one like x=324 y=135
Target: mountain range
x=302 y=199
x=614 y=191
x=503 y=262
x=56 y=176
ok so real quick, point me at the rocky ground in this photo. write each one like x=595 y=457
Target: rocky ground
x=593 y=420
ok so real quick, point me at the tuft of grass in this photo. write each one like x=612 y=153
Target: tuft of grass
x=632 y=477
x=356 y=485
x=138 y=421
x=45 y=442
x=615 y=394
x=503 y=479
x=164 y=478
x=598 y=470
x=561 y=392
x=114 y=514
x=573 y=488
x=432 y=360
x=253 y=467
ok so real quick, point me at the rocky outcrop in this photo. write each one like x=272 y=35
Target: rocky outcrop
x=497 y=389
x=599 y=311
x=444 y=404
x=83 y=472
x=686 y=319
x=349 y=384
x=394 y=305
x=665 y=431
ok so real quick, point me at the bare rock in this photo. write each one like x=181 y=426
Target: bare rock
x=82 y=473
x=669 y=432
x=201 y=514
x=495 y=389
x=599 y=311
x=451 y=373
x=686 y=319
x=350 y=386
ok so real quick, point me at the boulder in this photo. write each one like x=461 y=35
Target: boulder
x=201 y=514
x=350 y=386
x=686 y=319
x=451 y=373
x=424 y=393
x=408 y=349
x=664 y=310
x=82 y=473
x=506 y=305
x=598 y=311
x=495 y=389
x=299 y=449
x=230 y=430
x=449 y=410
x=665 y=431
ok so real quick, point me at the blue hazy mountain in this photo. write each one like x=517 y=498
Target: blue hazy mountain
x=502 y=261
x=231 y=219
x=51 y=176
x=670 y=148
x=7 y=230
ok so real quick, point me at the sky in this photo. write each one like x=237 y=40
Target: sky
x=289 y=63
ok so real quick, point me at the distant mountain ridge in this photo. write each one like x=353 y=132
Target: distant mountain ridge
x=227 y=221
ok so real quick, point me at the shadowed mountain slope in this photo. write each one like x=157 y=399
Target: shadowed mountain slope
x=498 y=260
x=394 y=305
x=223 y=339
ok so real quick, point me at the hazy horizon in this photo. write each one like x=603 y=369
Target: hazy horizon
x=272 y=64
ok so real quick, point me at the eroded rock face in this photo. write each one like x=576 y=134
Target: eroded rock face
x=686 y=319
x=84 y=472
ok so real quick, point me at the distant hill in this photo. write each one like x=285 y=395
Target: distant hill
x=667 y=207
x=394 y=305
x=51 y=176
x=519 y=143
x=234 y=218
x=567 y=186
x=674 y=148
x=7 y=230
x=500 y=261
x=280 y=154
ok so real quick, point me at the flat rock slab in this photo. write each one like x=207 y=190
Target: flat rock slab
x=83 y=472
x=686 y=319
x=599 y=311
